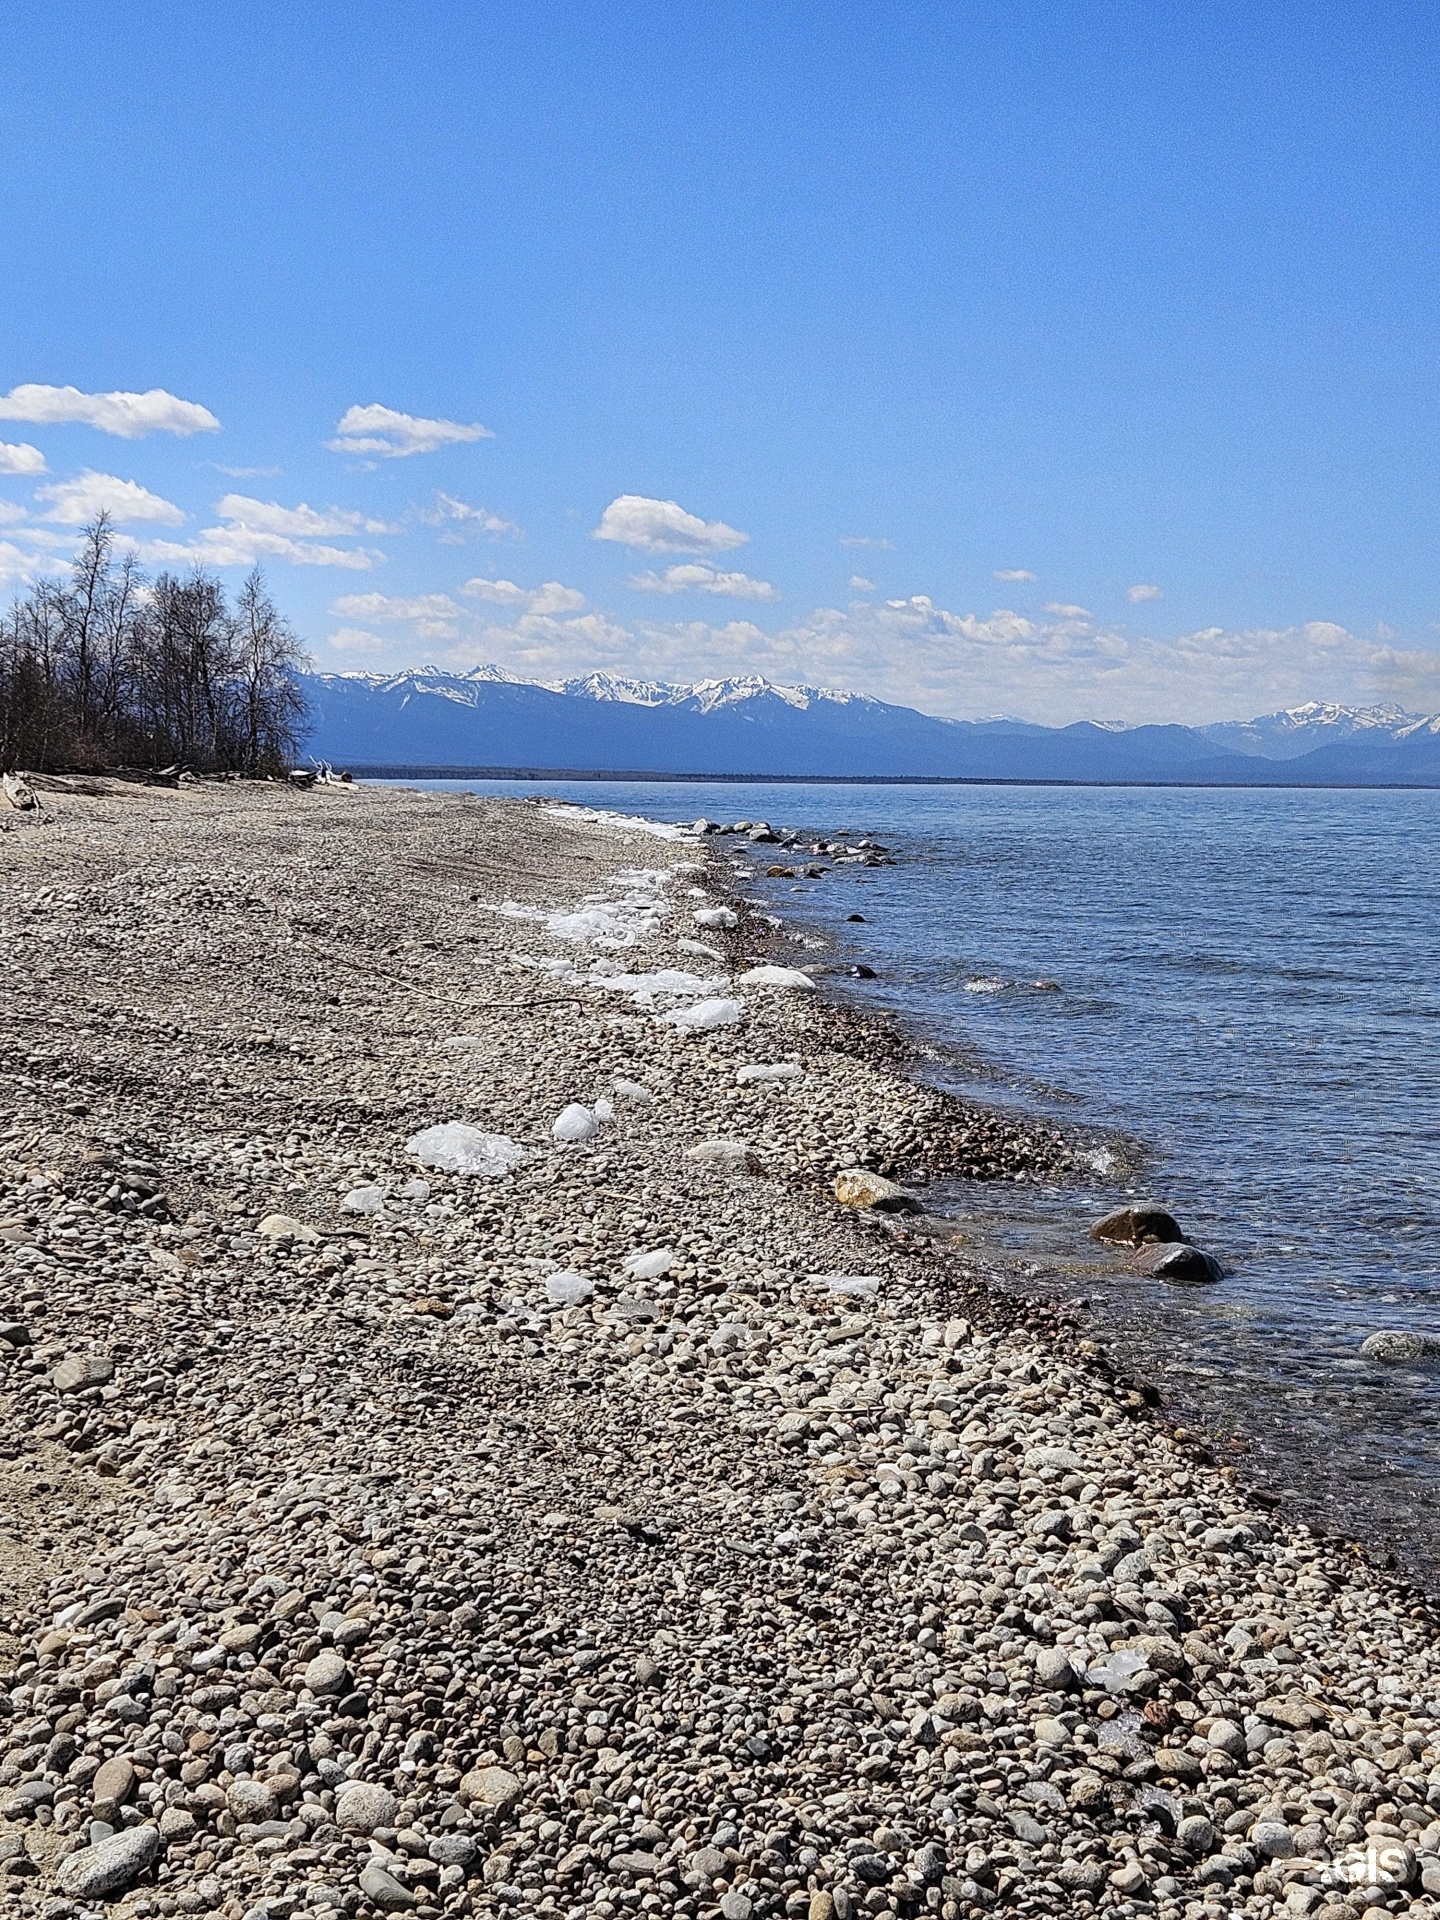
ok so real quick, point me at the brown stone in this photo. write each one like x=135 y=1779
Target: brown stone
x=1137 y=1226
x=114 y=1782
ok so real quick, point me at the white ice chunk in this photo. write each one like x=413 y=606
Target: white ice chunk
x=783 y=1070
x=415 y=1190
x=721 y=917
x=776 y=977
x=457 y=1148
x=363 y=1200
x=856 y=1283
x=633 y=1093
x=706 y=1014
x=604 y=1111
x=575 y=1123
x=650 y=1266
x=463 y=1043
x=699 y=947
x=569 y=1289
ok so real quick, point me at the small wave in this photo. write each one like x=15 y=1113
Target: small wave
x=986 y=985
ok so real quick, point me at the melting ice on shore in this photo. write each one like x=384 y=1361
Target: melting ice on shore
x=852 y=1283
x=630 y=912
x=723 y=918
x=783 y=1070
x=705 y=1015
x=569 y=1289
x=575 y=1123
x=363 y=1200
x=457 y=1148
x=776 y=977
x=650 y=1266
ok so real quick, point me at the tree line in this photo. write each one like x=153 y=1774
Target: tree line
x=112 y=669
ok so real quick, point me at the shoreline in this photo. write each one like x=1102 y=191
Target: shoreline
x=716 y=1593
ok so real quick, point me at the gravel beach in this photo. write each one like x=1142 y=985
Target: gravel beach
x=459 y=1456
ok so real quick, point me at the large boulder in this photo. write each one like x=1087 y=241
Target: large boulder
x=858 y=1187
x=1179 y=1263
x=1142 y=1225
x=1400 y=1346
x=108 y=1867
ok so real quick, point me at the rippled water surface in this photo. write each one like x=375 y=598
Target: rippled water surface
x=1248 y=984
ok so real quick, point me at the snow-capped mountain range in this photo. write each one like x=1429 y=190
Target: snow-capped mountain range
x=489 y=718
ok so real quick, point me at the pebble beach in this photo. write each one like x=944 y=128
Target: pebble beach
x=464 y=1451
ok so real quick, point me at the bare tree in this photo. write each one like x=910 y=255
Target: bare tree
x=109 y=669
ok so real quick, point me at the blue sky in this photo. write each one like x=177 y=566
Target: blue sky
x=1139 y=302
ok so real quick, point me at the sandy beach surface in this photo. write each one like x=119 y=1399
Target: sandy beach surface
x=458 y=1456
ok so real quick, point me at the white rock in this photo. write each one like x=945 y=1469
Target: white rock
x=567 y=1289
x=705 y=1015
x=96 y=1872
x=722 y=918
x=361 y=1807
x=457 y=1148
x=363 y=1200
x=575 y=1123
x=776 y=977
x=783 y=1070
x=650 y=1266
x=282 y=1226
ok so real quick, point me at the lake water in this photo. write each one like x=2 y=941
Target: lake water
x=1248 y=988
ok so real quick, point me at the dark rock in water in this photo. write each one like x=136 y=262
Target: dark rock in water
x=857 y=917
x=1179 y=1263
x=1137 y=1226
x=1401 y=1346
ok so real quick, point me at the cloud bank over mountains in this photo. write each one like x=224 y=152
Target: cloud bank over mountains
x=1054 y=661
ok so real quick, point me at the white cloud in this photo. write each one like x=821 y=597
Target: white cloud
x=18 y=456
x=861 y=584
x=1015 y=573
x=462 y=521
x=302 y=522
x=1136 y=594
x=255 y=530
x=129 y=416
x=693 y=578
x=356 y=640
x=245 y=546
x=394 y=436
x=244 y=473
x=865 y=540
x=10 y=514
x=1063 y=610
x=663 y=526
x=549 y=598
x=74 y=503
x=386 y=606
